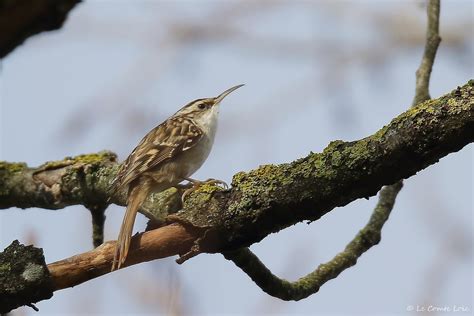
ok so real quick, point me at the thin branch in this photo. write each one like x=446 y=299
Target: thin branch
x=369 y=236
x=433 y=39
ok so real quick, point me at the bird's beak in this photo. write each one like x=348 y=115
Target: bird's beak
x=221 y=96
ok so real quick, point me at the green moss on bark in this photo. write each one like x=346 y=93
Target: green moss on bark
x=12 y=167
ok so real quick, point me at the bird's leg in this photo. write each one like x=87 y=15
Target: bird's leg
x=197 y=183
x=209 y=181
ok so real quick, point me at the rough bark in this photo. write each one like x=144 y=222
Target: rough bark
x=24 y=278
x=81 y=180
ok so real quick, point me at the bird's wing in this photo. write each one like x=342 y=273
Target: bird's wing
x=162 y=143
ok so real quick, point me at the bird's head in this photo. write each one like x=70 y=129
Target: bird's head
x=203 y=110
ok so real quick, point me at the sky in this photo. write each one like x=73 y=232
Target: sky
x=314 y=72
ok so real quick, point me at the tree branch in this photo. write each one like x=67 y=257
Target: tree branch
x=82 y=180
x=433 y=39
x=159 y=243
x=25 y=278
x=20 y=19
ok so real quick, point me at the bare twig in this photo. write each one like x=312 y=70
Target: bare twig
x=433 y=39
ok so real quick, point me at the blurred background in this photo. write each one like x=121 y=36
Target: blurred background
x=315 y=71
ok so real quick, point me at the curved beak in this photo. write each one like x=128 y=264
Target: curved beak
x=221 y=96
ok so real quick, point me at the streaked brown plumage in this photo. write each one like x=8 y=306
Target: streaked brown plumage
x=167 y=155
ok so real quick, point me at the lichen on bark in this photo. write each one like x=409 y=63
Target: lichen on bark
x=24 y=277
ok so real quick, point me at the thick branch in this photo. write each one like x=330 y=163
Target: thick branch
x=82 y=180
x=20 y=19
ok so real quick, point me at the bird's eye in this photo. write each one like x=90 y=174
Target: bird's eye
x=202 y=106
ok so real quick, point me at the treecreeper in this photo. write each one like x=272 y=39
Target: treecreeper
x=169 y=154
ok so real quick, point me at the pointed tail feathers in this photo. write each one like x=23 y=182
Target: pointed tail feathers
x=136 y=197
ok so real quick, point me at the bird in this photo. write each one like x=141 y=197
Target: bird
x=169 y=154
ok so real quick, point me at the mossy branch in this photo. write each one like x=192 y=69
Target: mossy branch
x=261 y=201
x=81 y=180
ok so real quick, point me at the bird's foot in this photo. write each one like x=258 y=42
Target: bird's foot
x=197 y=183
x=221 y=183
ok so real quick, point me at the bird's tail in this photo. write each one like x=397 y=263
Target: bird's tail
x=136 y=198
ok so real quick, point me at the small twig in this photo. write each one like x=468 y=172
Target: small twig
x=98 y=221
x=188 y=255
x=433 y=39
x=310 y=284
x=36 y=309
